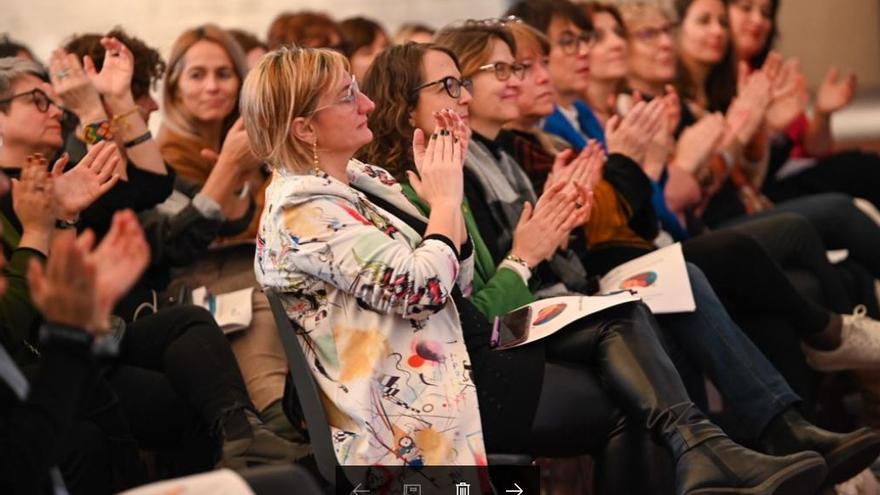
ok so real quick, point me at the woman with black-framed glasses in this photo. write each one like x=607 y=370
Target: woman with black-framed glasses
x=452 y=85
x=38 y=97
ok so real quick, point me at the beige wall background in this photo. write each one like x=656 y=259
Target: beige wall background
x=820 y=32
x=823 y=33
x=44 y=24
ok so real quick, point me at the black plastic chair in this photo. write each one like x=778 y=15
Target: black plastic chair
x=313 y=408
x=306 y=391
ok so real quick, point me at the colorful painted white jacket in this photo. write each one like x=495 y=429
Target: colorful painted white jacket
x=380 y=328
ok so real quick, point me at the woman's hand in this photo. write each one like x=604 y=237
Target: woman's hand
x=33 y=198
x=119 y=260
x=113 y=81
x=750 y=104
x=64 y=290
x=699 y=142
x=632 y=134
x=82 y=185
x=662 y=143
x=80 y=285
x=74 y=88
x=439 y=162
x=543 y=228
x=236 y=154
x=789 y=95
x=835 y=93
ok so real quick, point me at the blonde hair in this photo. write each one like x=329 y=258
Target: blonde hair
x=638 y=10
x=287 y=83
x=175 y=117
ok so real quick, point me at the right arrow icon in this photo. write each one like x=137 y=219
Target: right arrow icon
x=518 y=490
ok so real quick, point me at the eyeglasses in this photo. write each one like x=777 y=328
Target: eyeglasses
x=651 y=34
x=350 y=96
x=450 y=84
x=503 y=70
x=40 y=98
x=571 y=42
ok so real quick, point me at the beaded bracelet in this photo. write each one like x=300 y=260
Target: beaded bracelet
x=96 y=132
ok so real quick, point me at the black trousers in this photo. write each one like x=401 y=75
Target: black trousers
x=748 y=280
x=176 y=379
x=856 y=173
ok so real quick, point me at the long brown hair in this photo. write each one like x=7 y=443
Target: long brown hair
x=175 y=117
x=391 y=83
x=721 y=84
x=472 y=42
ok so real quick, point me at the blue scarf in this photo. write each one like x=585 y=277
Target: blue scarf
x=590 y=127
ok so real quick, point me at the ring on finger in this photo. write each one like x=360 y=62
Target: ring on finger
x=61 y=74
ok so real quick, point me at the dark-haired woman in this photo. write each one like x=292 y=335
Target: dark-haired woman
x=807 y=140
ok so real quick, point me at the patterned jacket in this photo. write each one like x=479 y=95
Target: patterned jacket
x=378 y=322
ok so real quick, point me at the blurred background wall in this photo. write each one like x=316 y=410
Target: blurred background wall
x=820 y=32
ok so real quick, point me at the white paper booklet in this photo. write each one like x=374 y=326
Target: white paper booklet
x=232 y=311
x=659 y=277
x=545 y=317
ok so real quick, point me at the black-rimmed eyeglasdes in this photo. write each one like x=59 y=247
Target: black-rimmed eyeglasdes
x=451 y=84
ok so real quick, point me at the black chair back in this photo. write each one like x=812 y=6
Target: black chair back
x=306 y=390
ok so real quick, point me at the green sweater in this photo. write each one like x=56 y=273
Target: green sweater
x=495 y=291
x=19 y=319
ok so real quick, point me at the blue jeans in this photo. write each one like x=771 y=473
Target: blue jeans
x=709 y=339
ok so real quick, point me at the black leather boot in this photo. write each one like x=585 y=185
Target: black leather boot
x=708 y=462
x=637 y=370
x=846 y=454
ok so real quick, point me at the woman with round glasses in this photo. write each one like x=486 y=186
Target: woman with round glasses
x=571 y=39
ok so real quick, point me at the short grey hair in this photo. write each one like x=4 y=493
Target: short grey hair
x=11 y=70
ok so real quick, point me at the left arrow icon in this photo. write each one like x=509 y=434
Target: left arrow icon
x=359 y=491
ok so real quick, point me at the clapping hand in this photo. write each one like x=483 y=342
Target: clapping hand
x=80 y=186
x=835 y=92
x=788 y=92
x=748 y=109
x=74 y=88
x=113 y=81
x=64 y=290
x=33 y=198
x=81 y=283
x=630 y=135
x=699 y=142
x=439 y=161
